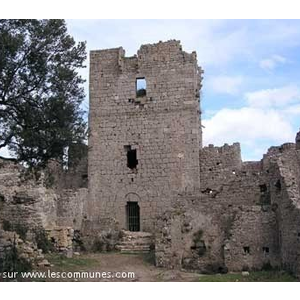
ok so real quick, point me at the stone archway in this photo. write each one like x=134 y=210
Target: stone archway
x=132 y=212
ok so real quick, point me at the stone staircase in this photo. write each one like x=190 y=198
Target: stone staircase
x=135 y=242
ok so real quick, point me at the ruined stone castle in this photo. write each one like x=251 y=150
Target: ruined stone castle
x=145 y=171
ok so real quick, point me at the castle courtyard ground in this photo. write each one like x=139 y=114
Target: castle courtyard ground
x=144 y=269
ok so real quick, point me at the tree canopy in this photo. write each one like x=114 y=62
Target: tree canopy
x=40 y=90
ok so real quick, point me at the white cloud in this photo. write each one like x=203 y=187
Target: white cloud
x=277 y=97
x=4 y=152
x=265 y=121
x=271 y=63
x=247 y=125
x=292 y=110
x=225 y=84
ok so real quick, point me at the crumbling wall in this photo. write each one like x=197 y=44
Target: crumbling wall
x=253 y=241
x=28 y=205
x=233 y=211
x=225 y=177
x=190 y=237
x=13 y=248
x=25 y=203
x=70 y=208
x=74 y=175
x=288 y=209
x=219 y=164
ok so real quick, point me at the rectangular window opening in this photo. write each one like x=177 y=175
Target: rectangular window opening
x=263 y=188
x=266 y=249
x=132 y=161
x=246 y=250
x=141 y=87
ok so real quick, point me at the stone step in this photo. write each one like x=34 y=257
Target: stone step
x=135 y=242
x=134 y=248
x=136 y=234
x=132 y=251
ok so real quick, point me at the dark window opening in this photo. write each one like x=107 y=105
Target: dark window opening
x=141 y=87
x=278 y=185
x=199 y=247
x=2 y=199
x=133 y=216
x=263 y=188
x=207 y=191
x=264 y=194
x=266 y=249
x=246 y=250
x=132 y=161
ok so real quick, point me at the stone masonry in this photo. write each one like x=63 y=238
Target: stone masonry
x=146 y=180
x=163 y=127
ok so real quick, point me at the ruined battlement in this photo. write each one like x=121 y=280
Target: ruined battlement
x=160 y=53
x=160 y=77
x=217 y=159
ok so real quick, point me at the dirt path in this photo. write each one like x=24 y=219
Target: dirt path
x=141 y=265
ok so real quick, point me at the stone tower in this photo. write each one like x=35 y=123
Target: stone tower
x=145 y=133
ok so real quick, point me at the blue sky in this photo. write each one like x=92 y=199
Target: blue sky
x=251 y=86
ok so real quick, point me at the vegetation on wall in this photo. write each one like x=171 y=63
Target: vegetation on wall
x=13 y=262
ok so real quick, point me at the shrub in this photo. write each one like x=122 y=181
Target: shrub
x=6 y=225
x=21 y=230
x=198 y=244
x=98 y=245
x=42 y=240
x=12 y=262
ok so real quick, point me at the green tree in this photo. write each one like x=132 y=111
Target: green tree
x=40 y=90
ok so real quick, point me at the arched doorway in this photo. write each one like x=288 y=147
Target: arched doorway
x=133 y=216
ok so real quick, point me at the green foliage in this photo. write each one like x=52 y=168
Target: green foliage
x=12 y=262
x=6 y=225
x=198 y=235
x=70 y=264
x=98 y=245
x=257 y=276
x=20 y=229
x=198 y=243
x=267 y=267
x=43 y=241
x=40 y=90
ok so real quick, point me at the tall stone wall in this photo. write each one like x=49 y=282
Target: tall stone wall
x=236 y=212
x=163 y=127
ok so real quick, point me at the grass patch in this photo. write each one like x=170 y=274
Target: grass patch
x=62 y=263
x=257 y=276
